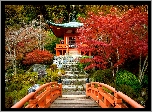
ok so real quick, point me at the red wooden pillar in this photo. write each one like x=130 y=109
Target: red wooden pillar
x=67 y=45
x=64 y=39
x=118 y=100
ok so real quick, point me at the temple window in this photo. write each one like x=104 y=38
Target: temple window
x=72 y=42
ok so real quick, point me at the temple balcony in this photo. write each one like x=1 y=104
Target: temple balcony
x=61 y=45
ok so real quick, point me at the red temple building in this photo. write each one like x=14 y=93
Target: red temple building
x=67 y=32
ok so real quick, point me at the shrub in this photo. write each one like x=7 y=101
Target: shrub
x=83 y=62
x=18 y=70
x=8 y=101
x=145 y=81
x=124 y=77
x=17 y=86
x=128 y=90
x=53 y=67
x=97 y=76
x=51 y=45
x=104 y=76
x=52 y=75
x=38 y=57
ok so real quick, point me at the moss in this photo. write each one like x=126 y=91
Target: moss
x=107 y=90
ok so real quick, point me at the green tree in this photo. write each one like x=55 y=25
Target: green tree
x=50 y=42
x=13 y=15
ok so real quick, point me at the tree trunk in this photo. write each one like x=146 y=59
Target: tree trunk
x=14 y=61
x=40 y=34
x=113 y=72
x=140 y=73
x=143 y=68
x=118 y=57
x=145 y=65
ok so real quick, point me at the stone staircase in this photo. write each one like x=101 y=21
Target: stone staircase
x=74 y=101
x=74 y=81
x=73 y=85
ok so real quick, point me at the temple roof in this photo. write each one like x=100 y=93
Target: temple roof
x=67 y=25
x=60 y=29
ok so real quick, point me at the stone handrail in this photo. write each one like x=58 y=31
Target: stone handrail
x=42 y=97
x=105 y=99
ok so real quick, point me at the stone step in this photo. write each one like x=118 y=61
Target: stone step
x=68 y=74
x=74 y=73
x=73 y=77
x=71 y=71
x=74 y=101
x=71 y=74
x=82 y=79
x=74 y=86
x=73 y=92
x=74 y=89
x=74 y=96
x=74 y=82
x=69 y=63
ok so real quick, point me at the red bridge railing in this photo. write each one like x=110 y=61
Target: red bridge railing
x=114 y=99
x=47 y=93
x=42 y=97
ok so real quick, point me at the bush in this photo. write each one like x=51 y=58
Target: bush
x=50 y=46
x=83 y=63
x=98 y=76
x=124 y=77
x=128 y=90
x=8 y=100
x=52 y=75
x=144 y=83
x=38 y=57
x=104 y=76
x=18 y=71
x=53 y=67
x=9 y=71
x=17 y=86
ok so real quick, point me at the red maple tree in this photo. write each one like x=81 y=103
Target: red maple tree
x=37 y=56
x=112 y=39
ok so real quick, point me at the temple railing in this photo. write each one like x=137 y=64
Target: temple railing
x=61 y=46
x=42 y=97
x=107 y=97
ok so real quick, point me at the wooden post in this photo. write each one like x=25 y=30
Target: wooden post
x=60 y=89
x=32 y=103
x=117 y=100
x=87 y=94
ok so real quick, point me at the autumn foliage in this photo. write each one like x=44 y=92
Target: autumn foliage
x=113 y=39
x=37 y=56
